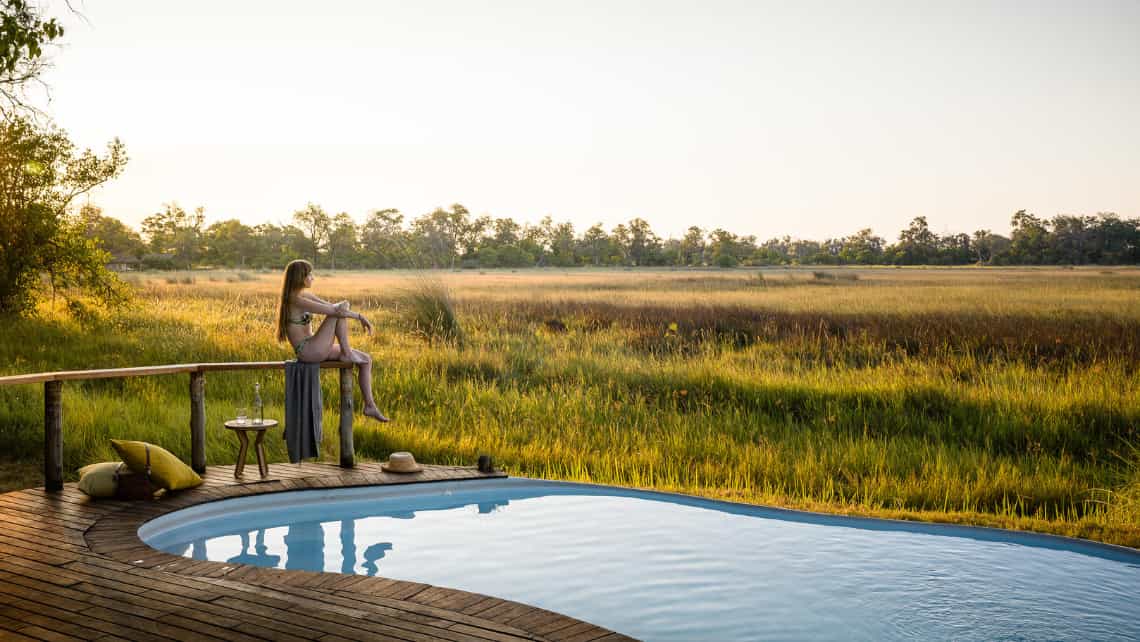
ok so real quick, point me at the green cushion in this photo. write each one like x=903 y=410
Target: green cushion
x=102 y=480
x=166 y=470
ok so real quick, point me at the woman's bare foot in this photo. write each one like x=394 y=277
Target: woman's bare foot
x=374 y=412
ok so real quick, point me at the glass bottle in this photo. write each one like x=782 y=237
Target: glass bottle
x=258 y=414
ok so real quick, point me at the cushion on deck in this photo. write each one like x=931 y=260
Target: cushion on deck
x=102 y=479
x=166 y=470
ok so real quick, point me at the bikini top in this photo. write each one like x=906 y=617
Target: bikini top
x=304 y=320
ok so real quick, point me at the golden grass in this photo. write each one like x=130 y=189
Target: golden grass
x=997 y=397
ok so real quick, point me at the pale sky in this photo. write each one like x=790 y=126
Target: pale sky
x=810 y=119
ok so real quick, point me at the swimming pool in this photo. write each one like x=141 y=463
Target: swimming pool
x=669 y=567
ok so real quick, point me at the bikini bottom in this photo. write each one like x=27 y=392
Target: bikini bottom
x=301 y=346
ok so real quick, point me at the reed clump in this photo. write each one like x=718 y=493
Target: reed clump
x=429 y=313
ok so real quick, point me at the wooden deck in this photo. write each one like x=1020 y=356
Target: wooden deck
x=74 y=568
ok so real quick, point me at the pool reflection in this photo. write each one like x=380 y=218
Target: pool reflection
x=260 y=555
x=305 y=546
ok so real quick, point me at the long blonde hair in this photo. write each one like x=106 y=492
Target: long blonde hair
x=295 y=274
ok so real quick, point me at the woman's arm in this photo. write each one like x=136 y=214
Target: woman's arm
x=310 y=303
x=313 y=297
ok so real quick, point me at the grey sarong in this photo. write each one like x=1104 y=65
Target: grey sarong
x=303 y=410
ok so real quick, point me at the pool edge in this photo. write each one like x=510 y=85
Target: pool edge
x=115 y=536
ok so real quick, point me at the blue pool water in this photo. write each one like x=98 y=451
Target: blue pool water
x=668 y=567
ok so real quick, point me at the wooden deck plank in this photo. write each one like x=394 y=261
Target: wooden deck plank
x=455 y=616
x=42 y=523
x=46 y=572
x=275 y=636
x=91 y=594
x=62 y=510
x=333 y=623
x=379 y=608
x=588 y=635
x=558 y=630
x=201 y=628
x=9 y=624
x=479 y=633
x=6 y=537
x=55 y=559
x=38 y=633
x=53 y=617
x=13 y=636
x=31 y=623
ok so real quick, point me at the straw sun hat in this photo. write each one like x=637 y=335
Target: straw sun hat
x=401 y=462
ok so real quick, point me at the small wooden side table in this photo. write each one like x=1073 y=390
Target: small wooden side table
x=243 y=428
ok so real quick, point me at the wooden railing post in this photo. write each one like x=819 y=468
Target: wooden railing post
x=53 y=435
x=198 y=422
x=347 y=454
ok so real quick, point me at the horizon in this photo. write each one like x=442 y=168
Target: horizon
x=409 y=217
x=812 y=122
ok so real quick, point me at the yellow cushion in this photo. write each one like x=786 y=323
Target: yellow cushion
x=166 y=470
x=101 y=480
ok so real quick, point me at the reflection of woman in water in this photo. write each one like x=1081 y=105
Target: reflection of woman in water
x=373 y=554
x=305 y=547
x=330 y=341
x=259 y=556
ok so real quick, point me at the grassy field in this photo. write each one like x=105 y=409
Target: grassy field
x=1001 y=397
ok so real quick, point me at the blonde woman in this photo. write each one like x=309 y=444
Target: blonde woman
x=330 y=341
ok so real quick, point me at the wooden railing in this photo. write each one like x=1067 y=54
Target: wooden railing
x=53 y=406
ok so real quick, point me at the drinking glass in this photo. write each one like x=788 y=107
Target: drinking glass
x=242 y=413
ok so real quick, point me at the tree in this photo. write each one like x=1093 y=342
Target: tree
x=954 y=249
x=562 y=245
x=862 y=248
x=1029 y=238
x=176 y=233
x=917 y=244
x=619 y=244
x=643 y=243
x=775 y=251
x=40 y=176
x=385 y=242
x=316 y=225
x=440 y=234
x=692 y=247
x=228 y=243
x=1118 y=240
x=596 y=244
x=342 y=239
x=109 y=233
x=722 y=248
x=532 y=242
x=471 y=233
x=803 y=251
x=988 y=247
x=23 y=35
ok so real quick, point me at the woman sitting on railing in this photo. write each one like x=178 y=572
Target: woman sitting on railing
x=294 y=316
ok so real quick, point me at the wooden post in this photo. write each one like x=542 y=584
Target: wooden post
x=347 y=454
x=53 y=436
x=198 y=422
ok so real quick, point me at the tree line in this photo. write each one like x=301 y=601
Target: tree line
x=175 y=238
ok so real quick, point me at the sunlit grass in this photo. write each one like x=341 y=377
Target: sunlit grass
x=1004 y=398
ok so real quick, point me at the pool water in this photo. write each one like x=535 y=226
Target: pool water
x=668 y=567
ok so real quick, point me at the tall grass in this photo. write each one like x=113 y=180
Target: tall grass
x=1006 y=398
x=429 y=312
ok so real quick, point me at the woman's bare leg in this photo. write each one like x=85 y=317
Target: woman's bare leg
x=346 y=351
x=364 y=380
x=321 y=345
